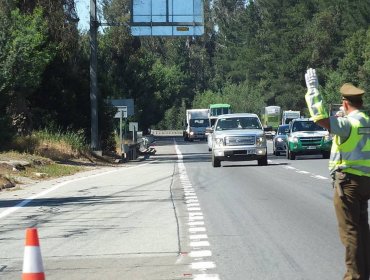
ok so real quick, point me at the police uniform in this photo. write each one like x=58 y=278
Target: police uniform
x=349 y=165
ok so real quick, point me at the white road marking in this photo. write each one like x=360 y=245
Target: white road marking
x=195 y=218
x=193 y=205
x=197 y=229
x=203 y=265
x=289 y=167
x=197 y=234
x=200 y=254
x=206 y=277
x=199 y=244
x=198 y=223
x=194 y=209
x=320 y=177
x=192 y=214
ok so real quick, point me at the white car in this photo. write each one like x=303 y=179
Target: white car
x=209 y=131
x=238 y=137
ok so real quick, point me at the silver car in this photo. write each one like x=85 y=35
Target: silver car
x=279 y=142
x=238 y=137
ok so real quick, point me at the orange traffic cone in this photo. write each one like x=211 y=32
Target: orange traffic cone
x=32 y=261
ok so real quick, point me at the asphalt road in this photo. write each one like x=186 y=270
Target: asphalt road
x=268 y=222
x=174 y=216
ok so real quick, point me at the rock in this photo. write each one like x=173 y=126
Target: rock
x=40 y=175
x=5 y=183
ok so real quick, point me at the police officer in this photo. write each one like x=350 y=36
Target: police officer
x=349 y=166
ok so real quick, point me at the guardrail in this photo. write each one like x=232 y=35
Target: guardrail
x=166 y=132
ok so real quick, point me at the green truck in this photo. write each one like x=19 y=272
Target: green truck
x=270 y=118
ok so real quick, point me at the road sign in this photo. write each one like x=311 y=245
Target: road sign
x=133 y=126
x=121 y=113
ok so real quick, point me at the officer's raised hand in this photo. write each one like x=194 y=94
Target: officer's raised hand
x=313 y=97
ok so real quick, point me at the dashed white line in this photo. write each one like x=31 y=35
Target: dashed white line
x=198 y=236
x=320 y=177
x=302 y=172
x=197 y=223
x=199 y=239
x=194 y=209
x=203 y=265
x=200 y=254
x=206 y=277
x=197 y=229
x=199 y=244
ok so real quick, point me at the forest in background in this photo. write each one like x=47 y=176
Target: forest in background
x=253 y=54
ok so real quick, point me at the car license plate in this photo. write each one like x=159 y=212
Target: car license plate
x=311 y=147
x=251 y=152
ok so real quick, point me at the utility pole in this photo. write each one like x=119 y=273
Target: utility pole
x=93 y=76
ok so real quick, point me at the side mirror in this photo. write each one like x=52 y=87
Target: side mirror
x=209 y=130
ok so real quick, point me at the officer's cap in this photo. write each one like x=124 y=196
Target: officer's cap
x=349 y=91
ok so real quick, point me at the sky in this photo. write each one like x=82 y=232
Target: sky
x=83 y=11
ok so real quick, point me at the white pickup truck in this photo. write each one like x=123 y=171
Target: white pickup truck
x=238 y=137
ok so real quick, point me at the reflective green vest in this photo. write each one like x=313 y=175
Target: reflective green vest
x=353 y=155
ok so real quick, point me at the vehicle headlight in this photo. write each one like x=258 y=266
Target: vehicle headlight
x=219 y=141
x=293 y=139
x=260 y=140
x=279 y=139
x=191 y=132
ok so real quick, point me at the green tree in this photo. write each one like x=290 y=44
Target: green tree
x=24 y=53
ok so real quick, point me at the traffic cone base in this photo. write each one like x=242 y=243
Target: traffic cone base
x=33 y=276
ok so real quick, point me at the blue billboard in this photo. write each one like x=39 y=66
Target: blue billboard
x=167 y=18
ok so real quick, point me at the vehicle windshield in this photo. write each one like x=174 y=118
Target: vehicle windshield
x=238 y=123
x=306 y=126
x=199 y=122
x=283 y=130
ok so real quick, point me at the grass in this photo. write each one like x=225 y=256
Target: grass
x=46 y=153
x=55 y=145
x=53 y=170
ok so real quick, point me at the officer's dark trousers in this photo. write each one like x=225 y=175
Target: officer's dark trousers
x=352 y=216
